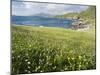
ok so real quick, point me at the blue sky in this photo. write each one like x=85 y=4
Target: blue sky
x=32 y=8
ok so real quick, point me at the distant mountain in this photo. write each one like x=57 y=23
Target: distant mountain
x=68 y=15
x=43 y=15
x=36 y=15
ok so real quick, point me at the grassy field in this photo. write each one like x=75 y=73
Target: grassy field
x=47 y=49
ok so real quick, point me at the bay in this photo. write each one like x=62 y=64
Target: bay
x=41 y=21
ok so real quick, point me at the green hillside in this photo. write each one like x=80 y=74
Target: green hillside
x=49 y=49
x=89 y=15
x=68 y=15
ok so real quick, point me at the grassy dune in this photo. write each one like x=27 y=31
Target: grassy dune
x=47 y=49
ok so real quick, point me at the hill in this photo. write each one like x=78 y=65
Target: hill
x=68 y=15
x=89 y=15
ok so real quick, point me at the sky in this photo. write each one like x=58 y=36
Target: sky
x=33 y=8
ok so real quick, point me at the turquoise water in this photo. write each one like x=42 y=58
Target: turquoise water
x=41 y=21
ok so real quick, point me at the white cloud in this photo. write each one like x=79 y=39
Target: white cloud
x=29 y=5
x=32 y=8
x=56 y=8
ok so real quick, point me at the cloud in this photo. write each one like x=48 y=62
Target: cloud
x=57 y=8
x=28 y=5
x=32 y=8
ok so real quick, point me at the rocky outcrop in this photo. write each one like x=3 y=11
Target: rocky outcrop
x=79 y=24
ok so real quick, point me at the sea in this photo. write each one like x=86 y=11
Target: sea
x=41 y=21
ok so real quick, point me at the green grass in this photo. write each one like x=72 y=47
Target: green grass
x=48 y=49
x=88 y=15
